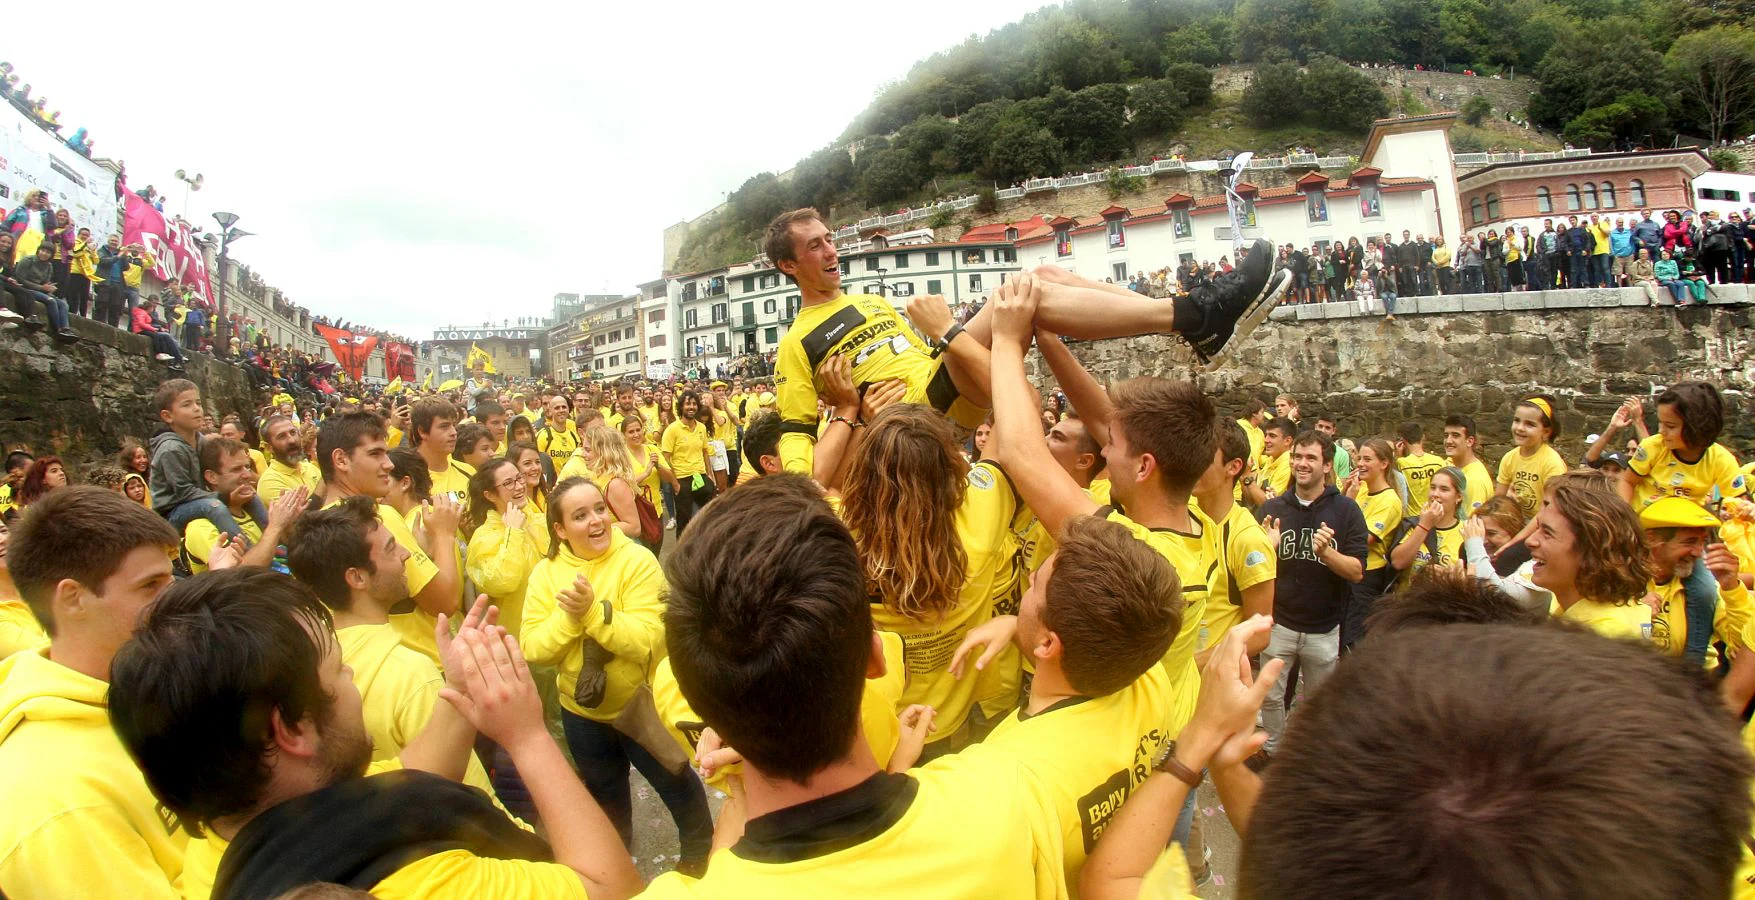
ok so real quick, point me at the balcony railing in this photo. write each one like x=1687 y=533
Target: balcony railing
x=744 y=322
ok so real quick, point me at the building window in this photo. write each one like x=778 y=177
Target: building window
x=902 y=289
x=749 y=283
x=1590 y=196
x=1184 y=227
x=768 y=306
x=1315 y=208
x=975 y=282
x=718 y=313
x=689 y=319
x=1475 y=211
x=1493 y=207
x=1608 y=195
x=935 y=286
x=1544 y=200
x=597 y=363
x=932 y=257
x=1572 y=204
x=791 y=307
x=871 y=263
x=1063 y=242
x=615 y=361
x=1117 y=234
x=597 y=341
x=1370 y=204
x=974 y=256
x=694 y=347
x=846 y=267
x=1120 y=271
x=1637 y=190
x=655 y=316
x=721 y=341
x=1005 y=254
x=771 y=336
x=901 y=260
x=656 y=340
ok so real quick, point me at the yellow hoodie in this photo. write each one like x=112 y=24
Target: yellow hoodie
x=627 y=585
x=500 y=560
x=77 y=819
x=19 y=629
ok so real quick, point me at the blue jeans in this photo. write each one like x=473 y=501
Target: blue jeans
x=54 y=308
x=1678 y=290
x=212 y=510
x=1700 y=599
x=1389 y=303
x=1580 y=271
x=603 y=754
x=1599 y=264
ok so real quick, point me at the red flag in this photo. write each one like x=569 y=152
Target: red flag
x=351 y=350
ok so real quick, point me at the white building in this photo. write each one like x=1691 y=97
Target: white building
x=705 y=322
x=614 y=332
x=658 y=324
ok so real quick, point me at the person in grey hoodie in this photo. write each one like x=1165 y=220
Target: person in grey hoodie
x=178 y=491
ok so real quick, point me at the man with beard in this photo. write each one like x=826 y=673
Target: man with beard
x=234 y=698
x=288 y=468
x=685 y=449
x=227 y=471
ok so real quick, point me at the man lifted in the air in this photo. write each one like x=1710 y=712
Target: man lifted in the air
x=950 y=372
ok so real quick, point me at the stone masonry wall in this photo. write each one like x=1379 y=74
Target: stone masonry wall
x=79 y=400
x=1475 y=355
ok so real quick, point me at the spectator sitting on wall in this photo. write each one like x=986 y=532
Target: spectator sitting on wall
x=145 y=321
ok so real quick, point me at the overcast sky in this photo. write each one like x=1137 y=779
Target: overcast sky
x=417 y=165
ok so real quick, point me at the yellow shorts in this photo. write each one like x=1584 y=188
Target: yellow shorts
x=938 y=391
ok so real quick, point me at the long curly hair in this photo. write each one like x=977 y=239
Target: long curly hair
x=1613 y=565
x=904 y=486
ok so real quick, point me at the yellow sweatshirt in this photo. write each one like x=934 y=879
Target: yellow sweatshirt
x=500 y=560
x=626 y=619
x=77 y=819
x=19 y=628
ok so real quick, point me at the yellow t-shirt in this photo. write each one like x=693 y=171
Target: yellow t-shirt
x=78 y=819
x=1418 y=470
x=1627 y=620
x=1528 y=475
x=1255 y=444
x=1088 y=754
x=874 y=339
x=982 y=523
x=200 y=535
x=1479 y=484
x=1448 y=546
x=1383 y=512
x=453 y=481
x=975 y=824
x=19 y=628
x=1731 y=619
x=650 y=487
x=684 y=445
x=557 y=443
x=279 y=478
x=415 y=627
x=1196 y=560
x=1246 y=560
x=1274 y=474
x=392 y=436
x=1600 y=233
x=625 y=619
x=1666 y=475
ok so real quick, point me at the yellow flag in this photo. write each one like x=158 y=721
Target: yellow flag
x=395 y=386
x=479 y=359
x=427 y=385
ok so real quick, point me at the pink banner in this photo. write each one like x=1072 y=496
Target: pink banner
x=171 y=244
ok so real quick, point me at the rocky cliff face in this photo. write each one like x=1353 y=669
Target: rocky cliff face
x=1477 y=356
x=79 y=400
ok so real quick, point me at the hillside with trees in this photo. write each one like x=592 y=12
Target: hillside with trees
x=1106 y=82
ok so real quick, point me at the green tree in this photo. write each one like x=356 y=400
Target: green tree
x=974 y=134
x=922 y=140
x=1022 y=149
x=1275 y=94
x=1073 y=55
x=1630 y=117
x=1714 y=71
x=1194 y=81
x=1156 y=108
x=1092 y=123
x=1294 y=26
x=1359 y=30
x=1576 y=74
x=1477 y=109
x=1337 y=94
x=1194 y=43
x=757 y=201
x=893 y=175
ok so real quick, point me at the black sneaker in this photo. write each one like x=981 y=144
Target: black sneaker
x=1236 y=302
x=66 y=335
x=33 y=322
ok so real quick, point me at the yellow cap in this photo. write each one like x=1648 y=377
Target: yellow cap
x=767 y=399
x=1676 y=512
x=718 y=384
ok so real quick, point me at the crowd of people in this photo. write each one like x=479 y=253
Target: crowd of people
x=277 y=658
x=38 y=111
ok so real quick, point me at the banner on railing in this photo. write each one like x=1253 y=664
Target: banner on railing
x=172 y=244
x=351 y=350
x=31 y=157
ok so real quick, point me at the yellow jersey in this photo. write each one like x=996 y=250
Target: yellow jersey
x=1274 y=474
x=418 y=571
x=1731 y=619
x=975 y=824
x=278 y=478
x=1478 y=487
x=1526 y=476
x=686 y=446
x=1255 y=444
x=628 y=587
x=1196 y=560
x=982 y=524
x=1383 y=512
x=1667 y=475
x=1088 y=754
x=452 y=481
x=879 y=345
x=1446 y=550
x=200 y=535
x=19 y=628
x=557 y=443
x=1630 y=620
x=1246 y=559
x=1418 y=470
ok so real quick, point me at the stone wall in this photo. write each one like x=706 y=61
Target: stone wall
x=79 y=400
x=1475 y=355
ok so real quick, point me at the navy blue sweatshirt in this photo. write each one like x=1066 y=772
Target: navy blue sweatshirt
x=1308 y=597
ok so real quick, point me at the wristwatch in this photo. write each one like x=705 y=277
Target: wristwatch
x=1170 y=765
x=938 y=346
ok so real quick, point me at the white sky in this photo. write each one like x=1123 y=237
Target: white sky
x=411 y=165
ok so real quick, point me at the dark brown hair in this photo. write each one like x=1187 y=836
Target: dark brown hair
x=1444 y=595
x=82 y=533
x=1172 y=421
x=777 y=240
x=1115 y=603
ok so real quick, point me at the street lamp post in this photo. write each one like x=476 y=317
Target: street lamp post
x=228 y=232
